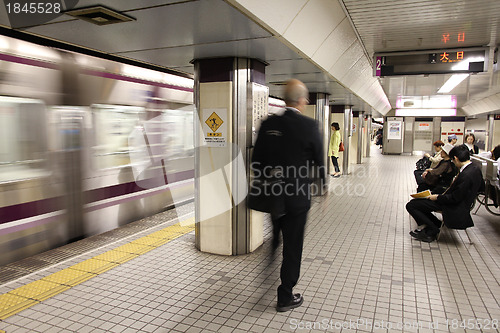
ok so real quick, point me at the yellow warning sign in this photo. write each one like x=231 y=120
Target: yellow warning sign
x=214 y=122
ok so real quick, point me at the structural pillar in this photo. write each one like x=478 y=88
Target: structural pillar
x=321 y=115
x=491 y=130
x=368 y=134
x=360 y=138
x=347 y=137
x=231 y=100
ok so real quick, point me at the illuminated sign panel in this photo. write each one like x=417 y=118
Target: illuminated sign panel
x=445 y=61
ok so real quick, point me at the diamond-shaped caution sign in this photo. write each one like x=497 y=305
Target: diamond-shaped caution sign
x=214 y=121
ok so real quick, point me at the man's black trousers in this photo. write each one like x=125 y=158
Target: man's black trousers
x=421 y=210
x=292 y=226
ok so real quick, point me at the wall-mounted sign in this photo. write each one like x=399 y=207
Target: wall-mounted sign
x=394 y=127
x=215 y=127
x=445 y=61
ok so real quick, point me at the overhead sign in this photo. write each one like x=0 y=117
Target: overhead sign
x=445 y=61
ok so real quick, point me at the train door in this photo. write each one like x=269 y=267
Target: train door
x=69 y=126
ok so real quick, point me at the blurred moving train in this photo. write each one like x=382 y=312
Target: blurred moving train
x=82 y=142
x=87 y=145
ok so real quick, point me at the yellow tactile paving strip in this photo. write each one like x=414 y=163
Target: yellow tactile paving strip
x=28 y=295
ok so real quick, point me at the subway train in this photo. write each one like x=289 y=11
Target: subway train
x=86 y=145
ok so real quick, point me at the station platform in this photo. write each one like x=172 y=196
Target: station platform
x=361 y=272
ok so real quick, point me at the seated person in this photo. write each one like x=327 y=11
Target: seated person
x=493 y=155
x=452 y=139
x=469 y=142
x=439 y=178
x=437 y=156
x=494 y=188
x=454 y=204
x=434 y=161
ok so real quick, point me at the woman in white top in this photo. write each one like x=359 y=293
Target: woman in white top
x=438 y=145
x=469 y=142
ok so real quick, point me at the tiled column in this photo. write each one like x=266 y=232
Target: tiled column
x=231 y=99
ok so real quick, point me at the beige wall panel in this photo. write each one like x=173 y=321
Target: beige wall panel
x=313 y=24
x=335 y=45
x=309 y=111
x=274 y=15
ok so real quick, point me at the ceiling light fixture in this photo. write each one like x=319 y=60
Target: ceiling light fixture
x=99 y=15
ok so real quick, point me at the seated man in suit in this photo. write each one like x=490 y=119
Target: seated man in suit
x=454 y=203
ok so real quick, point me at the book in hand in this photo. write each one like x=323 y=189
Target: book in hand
x=423 y=194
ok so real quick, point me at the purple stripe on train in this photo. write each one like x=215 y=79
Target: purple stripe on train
x=44 y=206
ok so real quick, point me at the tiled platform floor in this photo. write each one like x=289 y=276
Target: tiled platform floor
x=361 y=271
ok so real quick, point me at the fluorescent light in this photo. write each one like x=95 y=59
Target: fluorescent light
x=426 y=102
x=452 y=82
x=426 y=112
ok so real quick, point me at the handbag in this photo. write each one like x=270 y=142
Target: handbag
x=341 y=146
x=267 y=196
x=423 y=163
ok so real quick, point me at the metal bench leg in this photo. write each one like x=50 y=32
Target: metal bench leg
x=478 y=205
x=467 y=233
x=440 y=230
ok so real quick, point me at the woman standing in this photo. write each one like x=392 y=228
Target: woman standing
x=333 y=149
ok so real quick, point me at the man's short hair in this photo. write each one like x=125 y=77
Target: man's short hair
x=461 y=152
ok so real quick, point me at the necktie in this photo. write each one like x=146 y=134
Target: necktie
x=454 y=178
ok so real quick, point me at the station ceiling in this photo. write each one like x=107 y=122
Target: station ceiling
x=171 y=33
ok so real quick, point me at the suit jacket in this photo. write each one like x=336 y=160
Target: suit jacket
x=291 y=144
x=457 y=200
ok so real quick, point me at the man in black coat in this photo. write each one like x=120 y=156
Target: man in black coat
x=454 y=203
x=287 y=147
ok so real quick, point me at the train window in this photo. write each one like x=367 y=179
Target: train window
x=23 y=139
x=126 y=135
x=179 y=133
x=113 y=125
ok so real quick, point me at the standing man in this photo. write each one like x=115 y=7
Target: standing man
x=455 y=202
x=287 y=147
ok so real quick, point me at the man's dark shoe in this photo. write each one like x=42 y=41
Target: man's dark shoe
x=414 y=233
x=426 y=238
x=296 y=301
